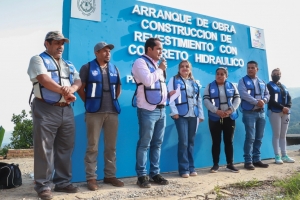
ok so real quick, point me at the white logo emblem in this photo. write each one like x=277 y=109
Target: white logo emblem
x=198 y=83
x=111 y=74
x=230 y=90
x=95 y=73
x=47 y=61
x=87 y=7
x=248 y=83
x=212 y=91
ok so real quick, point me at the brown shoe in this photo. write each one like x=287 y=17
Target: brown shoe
x=45 y=195
x=114 y=181
x=69 y=189
x=92 y=185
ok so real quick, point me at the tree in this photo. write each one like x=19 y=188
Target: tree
x=22 y=134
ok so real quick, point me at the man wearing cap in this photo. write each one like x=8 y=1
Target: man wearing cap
x=101 y=87
x=54 y=82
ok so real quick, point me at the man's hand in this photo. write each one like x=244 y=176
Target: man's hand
x=163 y=65
x=260 y=103
x=175 y=116
x=70 y=98
x=65 y=90
x=201 y=120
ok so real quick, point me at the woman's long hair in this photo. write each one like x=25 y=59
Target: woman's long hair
x=190 y=65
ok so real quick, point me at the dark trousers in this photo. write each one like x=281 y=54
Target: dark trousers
x=227 y=125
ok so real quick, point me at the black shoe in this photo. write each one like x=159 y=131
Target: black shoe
x=214 y=169
x=159 y=180
x=260 y=164
x=45 y=195
x=69 y=189
x=231 y=168
x=143 y=182
x=249 y=166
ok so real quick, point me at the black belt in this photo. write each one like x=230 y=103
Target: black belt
x=160 y=106
x=258 y=110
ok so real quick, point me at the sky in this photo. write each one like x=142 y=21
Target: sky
x=24 y=24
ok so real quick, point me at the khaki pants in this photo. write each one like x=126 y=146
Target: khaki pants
x=94 y=123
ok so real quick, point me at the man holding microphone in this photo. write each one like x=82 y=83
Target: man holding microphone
x=151 y=96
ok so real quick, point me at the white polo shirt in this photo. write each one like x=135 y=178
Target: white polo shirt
x=37 y=67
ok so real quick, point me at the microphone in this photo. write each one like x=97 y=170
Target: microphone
x=165 y=71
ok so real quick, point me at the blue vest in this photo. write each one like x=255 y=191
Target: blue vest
x=251 y=88
x=279 y=99
x=214 y=94
x=153 y=93
x=182 y=103
x=94 y=87
x=48 y=95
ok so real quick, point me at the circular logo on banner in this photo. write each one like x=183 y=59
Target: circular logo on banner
x=257 y=34
x=212 y=91
x=87 y=7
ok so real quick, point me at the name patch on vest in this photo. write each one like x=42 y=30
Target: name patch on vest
x=230 y=90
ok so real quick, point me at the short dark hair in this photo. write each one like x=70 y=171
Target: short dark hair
x=252 y=62
x=151 y=43
x=49 y=40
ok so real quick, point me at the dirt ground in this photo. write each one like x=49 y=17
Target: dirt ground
x=179 y=188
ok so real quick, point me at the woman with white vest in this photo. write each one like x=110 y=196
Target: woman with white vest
x=222 y=99
x=279 y=115
x=186 y=111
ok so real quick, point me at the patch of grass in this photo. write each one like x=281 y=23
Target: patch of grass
x=290 y=186
x=218 y=192
x=248 y=184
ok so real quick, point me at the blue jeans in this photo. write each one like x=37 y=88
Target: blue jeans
x=186 y=128
x=151 y=133
x=254 y=125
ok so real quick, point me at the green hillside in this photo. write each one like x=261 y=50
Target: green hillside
x=294 y=92
x=294 y=127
